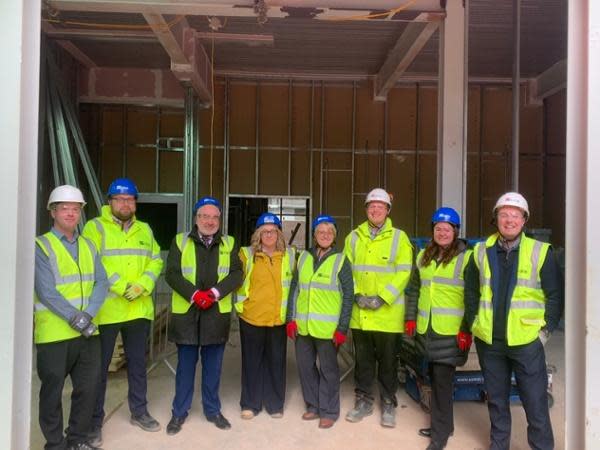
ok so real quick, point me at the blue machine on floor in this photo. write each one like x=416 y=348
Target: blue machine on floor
x=468 y=384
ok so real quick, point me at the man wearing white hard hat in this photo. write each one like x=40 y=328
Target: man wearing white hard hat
x=381 y=258
x=70 y=286
x=513 y=301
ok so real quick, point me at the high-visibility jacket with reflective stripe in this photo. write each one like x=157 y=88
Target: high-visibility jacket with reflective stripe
x=287 y=270
x=187 y=247
x=442 y=295
x=380 y=266
x=128 y=257
x=528 y=301
x=319 y=296
x=74 y=281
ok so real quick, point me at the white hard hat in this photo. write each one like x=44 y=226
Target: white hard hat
x=65 y=193
x=512 y=199
x=378 y=195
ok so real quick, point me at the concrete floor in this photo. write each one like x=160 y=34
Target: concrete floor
x=290 y=432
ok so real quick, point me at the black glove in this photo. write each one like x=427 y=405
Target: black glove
x=80 y=321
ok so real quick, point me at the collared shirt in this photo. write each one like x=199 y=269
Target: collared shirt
x=125 y=226
x=45 y=286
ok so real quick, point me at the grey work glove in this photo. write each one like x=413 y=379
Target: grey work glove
x=362 y=301
x=544 y=335
x=375 y=302
x=82 y=322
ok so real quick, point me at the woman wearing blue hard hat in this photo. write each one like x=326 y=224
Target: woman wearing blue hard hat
x=261 y=305
x=435 y=310
x=319 y=310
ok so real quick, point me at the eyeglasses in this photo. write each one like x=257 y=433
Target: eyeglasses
x=206 y=217
x=324 y=233
x=76 y=209
x=123 y=200
x=268 y=232
x=506 y=216
x=377 y=207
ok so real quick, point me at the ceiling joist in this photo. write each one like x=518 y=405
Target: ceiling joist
x=548 y=83
x=411 y=41
x=322 y=10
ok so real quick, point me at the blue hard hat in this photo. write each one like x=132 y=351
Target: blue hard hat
x=122 y=186
x=445 y=214
x=268 y=218
x=207 y=201
x=323 y=218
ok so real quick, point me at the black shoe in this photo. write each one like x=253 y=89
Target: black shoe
x=146 y=422
x=95 y=437
x=174 y=425
x=434 y=445
x=425 y=432
x=82 y=446
x=220 y=422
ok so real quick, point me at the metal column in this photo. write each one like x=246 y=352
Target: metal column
x=190 y=157
x=452 y=105
x=516 y=94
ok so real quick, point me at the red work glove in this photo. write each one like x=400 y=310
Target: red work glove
x=464 y=340
x=409 y=327
x=291 y=329
x=203 y=299
x=338 y=338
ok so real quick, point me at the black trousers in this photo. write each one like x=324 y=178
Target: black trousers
x=375 y=354
x=135 y=338
x=528 y=362
x=442 y=412
x=263 y=367
x=320 y=385
x=78 y=358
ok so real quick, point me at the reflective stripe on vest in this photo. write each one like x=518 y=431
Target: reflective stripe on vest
x=319 y=296
x=527 y=304
x=441 y=296
x=287 y=270
x=74 y=280
x=187 y=247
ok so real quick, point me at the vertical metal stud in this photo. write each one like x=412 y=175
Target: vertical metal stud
x=225 y=216
x=257 y=143
x=289 y=179
x=515 y=93
x=190 y=157
x=353 y=154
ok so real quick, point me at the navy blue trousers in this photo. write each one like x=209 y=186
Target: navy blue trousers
x=528 y=362
x=212 y=360
x=135 y=340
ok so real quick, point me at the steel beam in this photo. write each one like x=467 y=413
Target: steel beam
x=409 y=44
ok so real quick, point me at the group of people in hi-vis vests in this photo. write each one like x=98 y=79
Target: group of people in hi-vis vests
x=506 y=292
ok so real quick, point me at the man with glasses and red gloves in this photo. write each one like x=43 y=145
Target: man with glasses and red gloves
x=203 y=268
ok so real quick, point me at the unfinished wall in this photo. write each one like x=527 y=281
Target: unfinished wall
x=331 y=142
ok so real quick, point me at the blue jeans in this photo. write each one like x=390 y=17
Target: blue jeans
x=212 y=361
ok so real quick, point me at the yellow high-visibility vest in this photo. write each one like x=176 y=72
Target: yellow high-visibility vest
x=528 y=302
x=128 y=257
x=287 y=270
x=442 y=294
x=187 y=247
x=319 y=296
x=380 y=266
x=74 y=281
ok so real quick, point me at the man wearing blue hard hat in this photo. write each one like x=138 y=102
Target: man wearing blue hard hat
x=203 y=268
x=131 y=257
